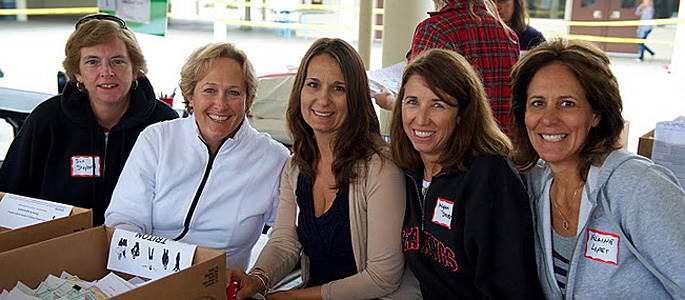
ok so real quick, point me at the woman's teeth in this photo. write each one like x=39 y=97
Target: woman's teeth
x=322 y=114
x=217 y=118
x=553 y=137
x=423 y=134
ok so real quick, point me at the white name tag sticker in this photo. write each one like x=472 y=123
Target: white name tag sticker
x=19 y=211
x=442 y=214
x=602 y=246
x=147 y=256
x=85 y=166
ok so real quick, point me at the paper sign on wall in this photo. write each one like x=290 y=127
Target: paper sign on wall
x=148 y=256
x=19 y=211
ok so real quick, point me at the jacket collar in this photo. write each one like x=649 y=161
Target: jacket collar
x=76 y=106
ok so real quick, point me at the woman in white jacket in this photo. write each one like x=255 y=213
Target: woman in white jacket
x=209 y=179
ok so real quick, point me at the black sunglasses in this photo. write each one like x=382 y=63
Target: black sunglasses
x=112 y=18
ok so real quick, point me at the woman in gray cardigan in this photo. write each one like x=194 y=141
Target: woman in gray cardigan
x=341 y=199
x=609 y=223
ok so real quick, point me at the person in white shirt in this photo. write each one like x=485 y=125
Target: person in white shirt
x=209 y=179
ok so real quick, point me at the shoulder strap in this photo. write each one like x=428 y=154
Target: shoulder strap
x=665 y=281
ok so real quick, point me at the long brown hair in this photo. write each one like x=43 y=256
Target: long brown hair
x=590 y=65
x=453 y=80
x=359 y=136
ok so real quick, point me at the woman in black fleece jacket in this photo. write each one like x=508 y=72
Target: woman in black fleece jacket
x=73 y=146
x=467 y=230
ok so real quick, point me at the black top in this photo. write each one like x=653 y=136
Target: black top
x=472 y=235
x=326 y=240
x=54 y=154
x=530 y=38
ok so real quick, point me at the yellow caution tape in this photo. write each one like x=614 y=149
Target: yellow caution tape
x=625 y=22
x=616 y=39
x=49 y=11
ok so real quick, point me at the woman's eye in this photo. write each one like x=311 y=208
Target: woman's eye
x=536 y=103
x=438 y=105
x=118 y=62
x=567 y=103
x=340 y=88
x=312 y=84
x=91 y=62
x=234 y=93
x=208 y=90
x=410 y=101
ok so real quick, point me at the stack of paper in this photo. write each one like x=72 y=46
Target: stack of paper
x=669 y=146
x=70 y=287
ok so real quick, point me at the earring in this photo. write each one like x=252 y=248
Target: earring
x=135 y=84
x=80 y=86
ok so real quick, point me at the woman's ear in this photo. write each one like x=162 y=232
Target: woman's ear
x=596 y=117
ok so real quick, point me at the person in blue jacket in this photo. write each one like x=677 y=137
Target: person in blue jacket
x=608 y=223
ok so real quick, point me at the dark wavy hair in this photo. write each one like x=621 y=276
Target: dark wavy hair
x=590 y=65
x=358 y=139
x=451 y=77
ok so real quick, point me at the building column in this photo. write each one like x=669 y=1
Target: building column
x=365 y=31
x=400 y=18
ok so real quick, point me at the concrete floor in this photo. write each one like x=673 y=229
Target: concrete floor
x=32 y=52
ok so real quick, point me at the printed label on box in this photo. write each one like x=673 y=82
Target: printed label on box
x=19 y=211
x=148 y=256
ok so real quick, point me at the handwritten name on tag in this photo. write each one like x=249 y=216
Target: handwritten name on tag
x=602 y=246
x=85 y=166
x=442 y=214
x=19 y=211
x=148 y=256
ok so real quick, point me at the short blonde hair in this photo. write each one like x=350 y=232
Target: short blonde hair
x=96 y=32
x=200 y=62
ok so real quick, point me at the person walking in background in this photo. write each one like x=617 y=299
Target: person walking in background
x=468 y=28
x=73 y=146
x=468 y=229
x=646 y=12
x=515 y=14
x=605 y=219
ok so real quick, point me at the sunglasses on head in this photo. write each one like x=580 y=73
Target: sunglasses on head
x=112 y=18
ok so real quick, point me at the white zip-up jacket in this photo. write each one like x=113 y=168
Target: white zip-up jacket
x=172 y=187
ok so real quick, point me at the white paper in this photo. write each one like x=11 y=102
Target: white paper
x=19 y=211
x=112 y=285
x=107 y=4
x=148 y=256
x=134 y=10
x=669 y=147
x=672 y=132
x=16 y=294
x=137 y=281
x=389 y=77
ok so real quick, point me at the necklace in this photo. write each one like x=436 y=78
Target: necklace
x=564 y=220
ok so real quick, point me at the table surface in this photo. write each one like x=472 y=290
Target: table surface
x=20 y=101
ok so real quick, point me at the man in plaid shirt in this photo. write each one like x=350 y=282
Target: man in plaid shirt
x=466 y=27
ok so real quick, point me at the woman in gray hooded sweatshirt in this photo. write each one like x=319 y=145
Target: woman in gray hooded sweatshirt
x=608 y=224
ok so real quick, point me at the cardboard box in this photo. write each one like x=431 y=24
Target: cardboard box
x=84 y=254
x=645 y=144
x=79 y=219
